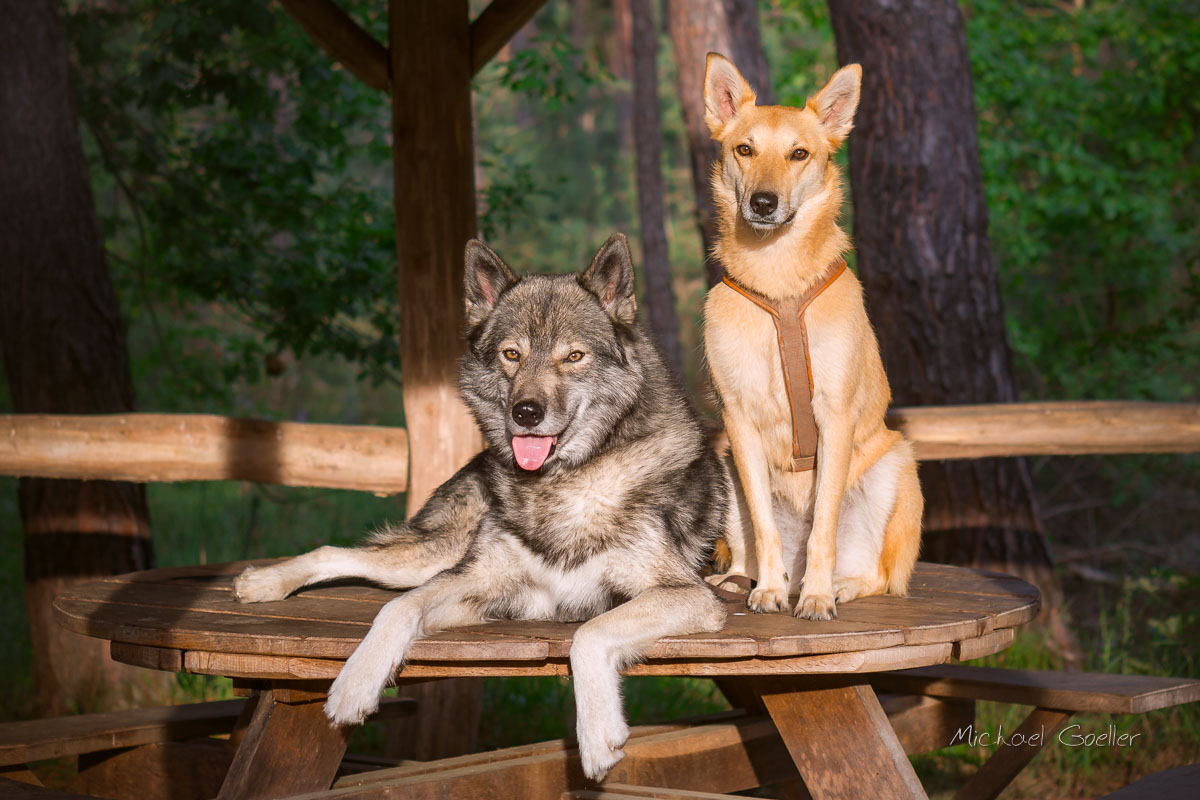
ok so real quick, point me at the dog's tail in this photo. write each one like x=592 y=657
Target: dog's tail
x=902 y=536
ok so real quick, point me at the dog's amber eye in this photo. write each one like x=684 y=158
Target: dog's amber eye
x=799 y=154
x=511 y=354
x=574 y=356
x=743 y=150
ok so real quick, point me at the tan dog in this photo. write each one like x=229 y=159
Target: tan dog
x=857 y=515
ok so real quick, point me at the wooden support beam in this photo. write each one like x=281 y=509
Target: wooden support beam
x=433 y=158
x=856 y=740
x=1072 y=428
x=434 y=167
x=340 y=36
x=202 y=447
x=495 y=25
x=286 y=749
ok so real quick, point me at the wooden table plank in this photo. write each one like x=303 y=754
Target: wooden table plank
x=192 y=609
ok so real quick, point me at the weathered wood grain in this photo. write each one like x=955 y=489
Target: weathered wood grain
x=287 y=748
x=203 y=447
x=192 y=611
x=855 y=741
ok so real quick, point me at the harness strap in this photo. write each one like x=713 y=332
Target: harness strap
x=788 y=316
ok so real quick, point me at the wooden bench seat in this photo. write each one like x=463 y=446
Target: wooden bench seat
x=1055 y=696
x=1078 y=692
x=144 y=742
x=40 y=739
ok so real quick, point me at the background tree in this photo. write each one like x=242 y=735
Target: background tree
x=64 y=353
x=921 y=238
x=700 y=27
x=647 y=138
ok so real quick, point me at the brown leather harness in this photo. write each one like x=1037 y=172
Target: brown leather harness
x=788 y=315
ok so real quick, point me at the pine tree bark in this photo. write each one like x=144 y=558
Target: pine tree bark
x=920 y=230
x=647 y=134
x=64 y=353
x=700 y=27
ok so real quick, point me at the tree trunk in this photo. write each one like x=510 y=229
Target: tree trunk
x=620 y=64
x=64 y=353
x=647 y=134
x=920 y=229
x=700 y=27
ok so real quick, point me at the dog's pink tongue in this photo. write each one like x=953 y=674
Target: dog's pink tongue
x=532 y=451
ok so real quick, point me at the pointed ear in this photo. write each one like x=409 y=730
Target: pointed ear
x=725 y=91
x=486 y=276
x=836 y=103
x=610 y=278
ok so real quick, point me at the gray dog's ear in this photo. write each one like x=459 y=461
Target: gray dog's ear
x=610 y=278
x=486 y=277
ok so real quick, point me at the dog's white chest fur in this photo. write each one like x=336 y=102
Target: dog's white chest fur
x=573 y=593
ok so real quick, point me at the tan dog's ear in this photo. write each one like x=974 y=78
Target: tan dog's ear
x=725 y=91
x=486 y=276
x=836 y=103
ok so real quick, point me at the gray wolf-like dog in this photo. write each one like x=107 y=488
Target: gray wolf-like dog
x=597 y=498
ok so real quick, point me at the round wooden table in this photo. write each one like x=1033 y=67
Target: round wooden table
x=811 y=677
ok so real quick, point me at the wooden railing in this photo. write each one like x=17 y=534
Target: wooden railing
x=197 y=447
x=148 y=448
x=1030 y=429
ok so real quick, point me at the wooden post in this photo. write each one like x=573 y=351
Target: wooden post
x=433 y=160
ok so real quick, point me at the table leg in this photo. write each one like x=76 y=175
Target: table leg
x=286 y=748
x=841 y=740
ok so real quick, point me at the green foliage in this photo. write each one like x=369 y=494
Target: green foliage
x=551 y=69
x=1087 y=124
x=253 y=217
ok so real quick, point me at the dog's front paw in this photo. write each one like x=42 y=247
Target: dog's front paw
x=816 y=606
x=765 y=599
x=355 y=693
x=259 y=585
x=600 y=751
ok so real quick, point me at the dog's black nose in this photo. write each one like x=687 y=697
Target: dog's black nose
x=528 y=414
x=763 y=203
